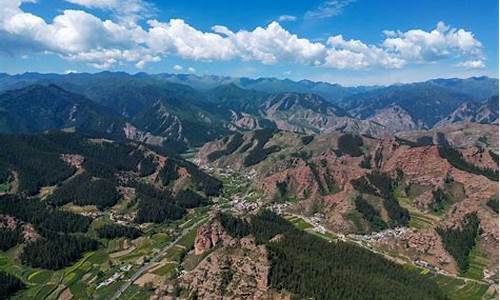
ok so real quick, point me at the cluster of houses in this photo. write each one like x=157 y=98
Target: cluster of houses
x=121 y=219
x=381 y=235
x=317 y=220
x=116 y=276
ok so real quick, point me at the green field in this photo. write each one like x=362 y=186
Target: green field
x=477 y=263
x=457 y=289
x=82 y=277
x=300 y=223
x=190 y=154
x=418 y=219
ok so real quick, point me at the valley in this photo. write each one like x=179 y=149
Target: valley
x=118 y=186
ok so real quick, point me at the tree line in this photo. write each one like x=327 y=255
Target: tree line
x=456 y=159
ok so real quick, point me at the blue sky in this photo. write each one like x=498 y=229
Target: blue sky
x=345 y=41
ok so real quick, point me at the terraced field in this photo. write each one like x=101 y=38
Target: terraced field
x=457 y=289
x=418 y=219
x=477 y=263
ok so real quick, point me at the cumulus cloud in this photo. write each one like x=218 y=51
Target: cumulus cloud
x=80 y=36
x=401 y=48
x=272 y=44
x=286 y=18
x=191 y=70
x=354 y=54
x=442 y=42
x=182 y=39
x=177 y=68
x=328 y=9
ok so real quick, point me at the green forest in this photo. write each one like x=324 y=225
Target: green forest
x=382 y=185
x=460 y=241
x=9 y=285
x=313 y=268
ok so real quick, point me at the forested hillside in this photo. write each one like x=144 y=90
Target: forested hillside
x=310 y=267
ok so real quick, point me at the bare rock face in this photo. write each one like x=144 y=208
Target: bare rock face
x=241 y=120
x=395 y=119
x=28 y=231
x=133 y=133
x=8 y=222
x=236 y=268
x=73 y=160
x=422 y=166
x=239 y=271
x=209 y=236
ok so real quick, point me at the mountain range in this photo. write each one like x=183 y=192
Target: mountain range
x=180 y=186
x=188 y=110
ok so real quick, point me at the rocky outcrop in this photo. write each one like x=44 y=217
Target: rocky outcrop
x=28 y=231
x=209 y=236
x=479 y=157
x=8 y=222
x=395 y=119
x=73 y=160
x=236 y=269
x=133 y=133
x=239 y=272
x=243 y=121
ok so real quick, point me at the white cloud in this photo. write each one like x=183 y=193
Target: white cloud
x=442 y=42
x=180 y=38
x=472 y=64
x=286 y=18
x=327 y=9
x=272 y=44
x=401 y=48
x=191 y=70
x=177 y=68
x=354 y=54
x=80 y=36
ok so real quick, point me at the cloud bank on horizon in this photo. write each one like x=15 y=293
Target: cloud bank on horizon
x=77 y=35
